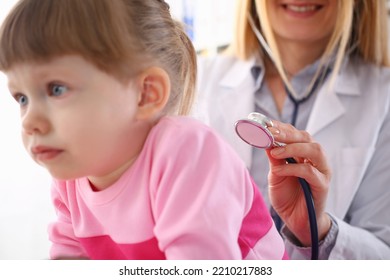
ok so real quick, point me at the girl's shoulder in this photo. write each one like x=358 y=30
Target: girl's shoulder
x=182 y=129
x=175 y=135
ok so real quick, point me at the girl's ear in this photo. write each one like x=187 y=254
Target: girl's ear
x=155 y=88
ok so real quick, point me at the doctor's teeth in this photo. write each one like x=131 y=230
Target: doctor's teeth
x=301 y=9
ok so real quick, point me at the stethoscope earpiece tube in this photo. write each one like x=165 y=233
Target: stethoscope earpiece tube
x=254 y=131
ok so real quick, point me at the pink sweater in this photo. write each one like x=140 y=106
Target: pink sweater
x=187 y=196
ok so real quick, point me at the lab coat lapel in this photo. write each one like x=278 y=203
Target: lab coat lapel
x=328 y=106
x=326 y=110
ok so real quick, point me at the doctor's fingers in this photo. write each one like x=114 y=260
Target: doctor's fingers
x=304 y=153
x=318 y=181
x=286 y=133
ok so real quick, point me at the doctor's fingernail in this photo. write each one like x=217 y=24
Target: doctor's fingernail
x=274 y=130
x=277 y=151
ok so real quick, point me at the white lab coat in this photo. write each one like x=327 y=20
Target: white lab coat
x=351 y=122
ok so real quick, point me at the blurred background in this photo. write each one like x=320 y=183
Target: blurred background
x=25 y=206
x=208 y=22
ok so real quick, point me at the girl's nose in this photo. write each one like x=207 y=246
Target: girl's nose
x=35 y=121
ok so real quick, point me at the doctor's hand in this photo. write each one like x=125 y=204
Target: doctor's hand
x=286 y=194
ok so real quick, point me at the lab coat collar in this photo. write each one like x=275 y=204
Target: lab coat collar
x=328 y=106
x=347 y=81
x=239 y=72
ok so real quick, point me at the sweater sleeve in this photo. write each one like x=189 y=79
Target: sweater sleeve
x=201 y=192
x=65 y=244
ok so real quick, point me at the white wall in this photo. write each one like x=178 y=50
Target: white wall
x=25 y=207
x=213 y=21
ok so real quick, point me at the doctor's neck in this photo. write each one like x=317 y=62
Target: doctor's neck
x=297 y=55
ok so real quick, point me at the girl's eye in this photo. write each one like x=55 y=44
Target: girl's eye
x=57 y=90
x=21 y=99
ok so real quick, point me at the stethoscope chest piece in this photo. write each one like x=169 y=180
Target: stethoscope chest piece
x=254 y=130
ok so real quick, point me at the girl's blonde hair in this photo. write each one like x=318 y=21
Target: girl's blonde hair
x=121 y=37
x=361 y=29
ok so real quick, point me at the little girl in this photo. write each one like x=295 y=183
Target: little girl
x=101 y=85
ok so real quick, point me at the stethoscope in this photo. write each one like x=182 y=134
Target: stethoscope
x=254 y=131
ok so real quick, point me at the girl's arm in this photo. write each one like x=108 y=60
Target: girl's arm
x=64 y=243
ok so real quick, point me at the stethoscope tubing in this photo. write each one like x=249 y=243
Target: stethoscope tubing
x=311 y=214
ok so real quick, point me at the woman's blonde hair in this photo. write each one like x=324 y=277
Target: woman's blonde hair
x=361 y=29
x=121 y=37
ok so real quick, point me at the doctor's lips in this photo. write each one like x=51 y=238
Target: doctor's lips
x=302 y=8
x=43 y=153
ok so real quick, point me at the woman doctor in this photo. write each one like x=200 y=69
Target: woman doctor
x=323 y=69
